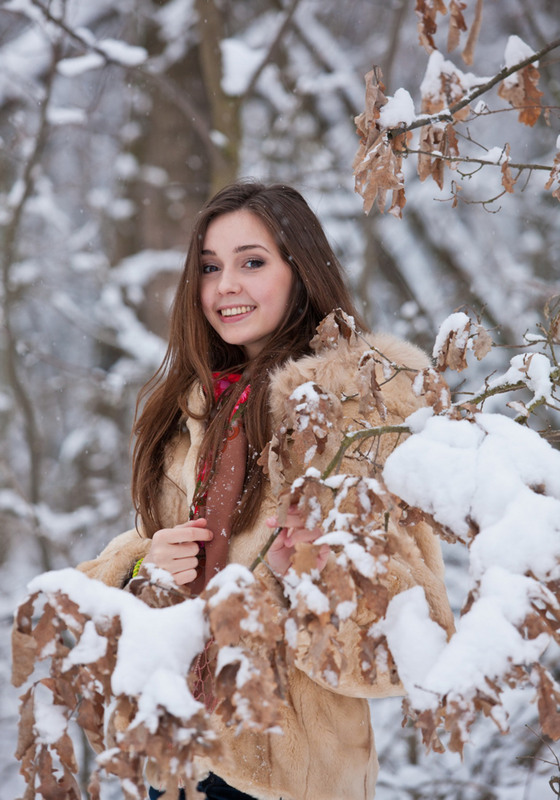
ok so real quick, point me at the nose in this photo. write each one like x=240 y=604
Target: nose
x=229 y=281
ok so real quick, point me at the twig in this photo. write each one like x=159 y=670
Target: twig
x=397 y=368
x=259 y=558
x=503 y=388
x=473 y=160
x=350 y=438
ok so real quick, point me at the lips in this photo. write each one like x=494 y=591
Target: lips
x=235 y=311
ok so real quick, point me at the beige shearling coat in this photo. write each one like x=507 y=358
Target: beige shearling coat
x=326 y=751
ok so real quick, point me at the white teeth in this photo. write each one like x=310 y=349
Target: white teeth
x=231 y=312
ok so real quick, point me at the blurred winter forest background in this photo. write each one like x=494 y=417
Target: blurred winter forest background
x=117 y=120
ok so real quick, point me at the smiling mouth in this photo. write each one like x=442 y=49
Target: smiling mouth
x=235 y=311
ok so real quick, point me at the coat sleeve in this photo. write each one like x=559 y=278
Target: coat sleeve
x=114 y=565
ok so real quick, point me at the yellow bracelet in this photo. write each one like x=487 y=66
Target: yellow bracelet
x=137 y=566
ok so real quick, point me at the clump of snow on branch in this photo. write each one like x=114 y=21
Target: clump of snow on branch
x=133 y=662
x=398 y=110
x=535 y=370
x=72 y=67
x=516 y=51
x=120 y=52
x=114 y=50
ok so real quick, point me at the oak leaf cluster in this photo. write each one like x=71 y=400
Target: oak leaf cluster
x=447 y=100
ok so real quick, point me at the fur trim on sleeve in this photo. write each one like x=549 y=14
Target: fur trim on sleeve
x=115 y=563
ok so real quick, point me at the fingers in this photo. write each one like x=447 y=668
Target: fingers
x=179 y=541
x=283 y=548
x=293 y=530
x=192 y=531
x=280 y=542
x=279 y=555
x=176 y=549
x=187 y=575
x=296 y=535
x=293 y=519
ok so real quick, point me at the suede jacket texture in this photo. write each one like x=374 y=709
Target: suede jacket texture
x=326 y=750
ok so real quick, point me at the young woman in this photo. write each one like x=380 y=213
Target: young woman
x=258 y=279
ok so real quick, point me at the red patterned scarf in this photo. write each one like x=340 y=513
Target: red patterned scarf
x=218 y=503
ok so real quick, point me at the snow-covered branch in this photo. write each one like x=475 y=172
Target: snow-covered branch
x=386 y=126
x=449 y=114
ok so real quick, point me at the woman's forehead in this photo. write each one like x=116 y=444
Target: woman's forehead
x=236 y=231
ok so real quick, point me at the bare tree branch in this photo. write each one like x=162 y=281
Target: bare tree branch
x=474 y=160
x=270 y=55
x=167 y=87
x=504 y=388
x=358 y=436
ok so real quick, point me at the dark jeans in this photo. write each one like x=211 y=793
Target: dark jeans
x=215 y=788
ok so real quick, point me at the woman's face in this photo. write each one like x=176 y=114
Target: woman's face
x=245 y=284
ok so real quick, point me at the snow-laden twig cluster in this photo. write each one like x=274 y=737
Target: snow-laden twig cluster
x=480 y=479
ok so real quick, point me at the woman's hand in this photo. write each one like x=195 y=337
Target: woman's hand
x=176 y=549
x=282 y=549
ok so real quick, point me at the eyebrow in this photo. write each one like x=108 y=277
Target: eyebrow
x=240 y=249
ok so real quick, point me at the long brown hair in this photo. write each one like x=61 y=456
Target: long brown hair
x=195 y=350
